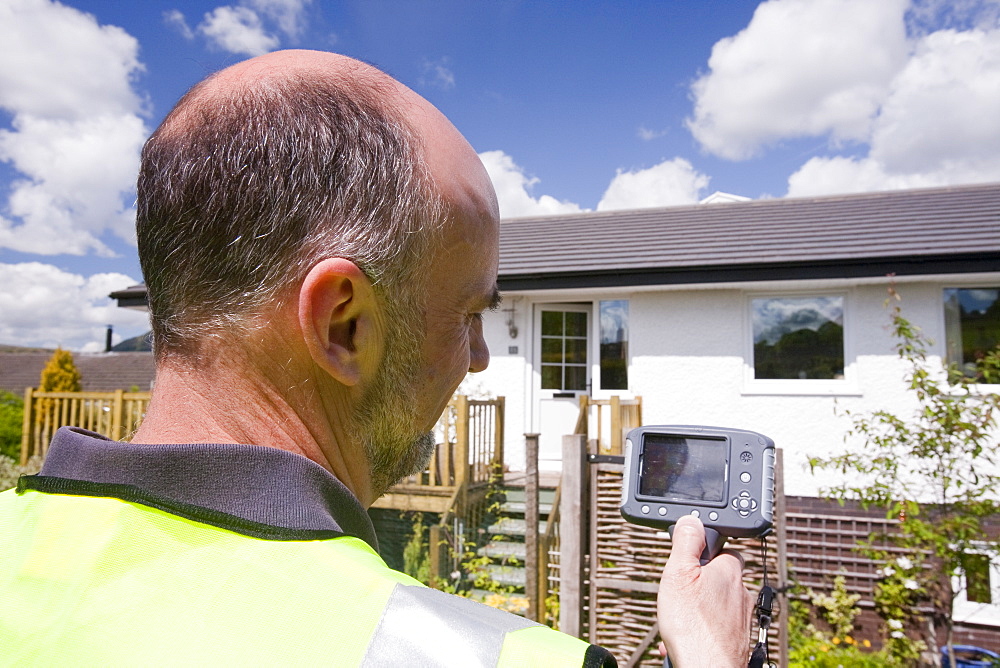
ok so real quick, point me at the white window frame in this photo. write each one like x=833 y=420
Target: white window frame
x=598 y=391
x=972 y=612
x=846 y=386
x=980 y=388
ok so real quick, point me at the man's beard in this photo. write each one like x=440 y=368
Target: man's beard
x=387 y=415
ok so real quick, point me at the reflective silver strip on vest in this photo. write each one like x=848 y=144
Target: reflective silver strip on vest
x=427 y=627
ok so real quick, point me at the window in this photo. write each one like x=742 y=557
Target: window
x=976 y=569
x=614 y=344
x=977 y=588
x=564 y=350
x=799 y=338
x=972 y=325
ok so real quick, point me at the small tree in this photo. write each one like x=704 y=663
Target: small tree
x=935 y=470
x=60 y=373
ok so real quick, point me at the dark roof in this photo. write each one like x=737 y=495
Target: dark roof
x=905 y=232
x=131 y=297
x=938 y=230
x=99 y=372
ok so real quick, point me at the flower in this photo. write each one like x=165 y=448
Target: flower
x=866 y=642
x=895 y=624
x=888 y=571
x=905 y=563
x=911 y=584
x=897 y=635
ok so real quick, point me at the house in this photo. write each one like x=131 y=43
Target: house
x=766 y=315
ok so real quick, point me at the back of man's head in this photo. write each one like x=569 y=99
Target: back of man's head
x=251 y=180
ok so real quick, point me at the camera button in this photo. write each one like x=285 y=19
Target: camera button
x=695 y=513
x=645 y=510
x=662 y=510
x=713 y=516
x=745 y=477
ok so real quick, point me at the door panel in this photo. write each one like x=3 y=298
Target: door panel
x=562 y=361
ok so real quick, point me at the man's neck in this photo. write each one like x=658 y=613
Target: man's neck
x=221 y=404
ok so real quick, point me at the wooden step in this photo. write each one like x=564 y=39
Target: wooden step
x=512 y=526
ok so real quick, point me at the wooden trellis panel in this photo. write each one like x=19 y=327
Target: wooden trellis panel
x=626 y=561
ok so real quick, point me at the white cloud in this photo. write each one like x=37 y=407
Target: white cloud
x=42 y=305
x=57 y=62
x=646 y=134
x=175 y=18
x=513 y=188
x=938 y=125
x=289 y=15
x=672 y=182
x=249 y=28
x=437 y=74
x=237 y=30
x=76 y=128
x=800 y=68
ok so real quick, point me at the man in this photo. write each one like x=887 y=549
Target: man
x=319 y=244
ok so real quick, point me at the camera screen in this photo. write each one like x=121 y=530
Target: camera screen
x=683 y=468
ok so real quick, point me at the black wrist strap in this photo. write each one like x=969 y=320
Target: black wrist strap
x=764 y=611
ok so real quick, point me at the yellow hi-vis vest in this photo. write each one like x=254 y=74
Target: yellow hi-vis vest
x=105 y=582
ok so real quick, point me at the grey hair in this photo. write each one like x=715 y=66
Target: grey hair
x=240 y=195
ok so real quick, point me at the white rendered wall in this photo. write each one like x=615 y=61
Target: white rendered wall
x=689 y=351
x=508 y=376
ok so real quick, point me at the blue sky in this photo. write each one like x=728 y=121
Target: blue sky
x=572 y=105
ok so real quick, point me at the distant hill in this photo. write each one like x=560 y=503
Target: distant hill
x=4 y=348
x=142 y=343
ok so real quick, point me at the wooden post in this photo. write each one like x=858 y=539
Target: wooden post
x=583 y=419
x=782 y=575
x=531 y=525
x=498 y=434
x=461 y=439
x=116 y=415
x=616 y=426
x=26 y=425
x=434 y=545
x=573 y=535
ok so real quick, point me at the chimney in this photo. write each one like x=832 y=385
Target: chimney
x=107 y=340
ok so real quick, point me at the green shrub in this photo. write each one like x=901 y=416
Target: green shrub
x=11 y=423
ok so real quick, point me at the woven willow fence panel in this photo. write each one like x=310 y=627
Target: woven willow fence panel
x=625 y=566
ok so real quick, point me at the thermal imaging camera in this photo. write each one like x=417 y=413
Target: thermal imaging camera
x=723 y=476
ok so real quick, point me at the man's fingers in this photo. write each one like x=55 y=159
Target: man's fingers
x=688 y=539
x=733 y=553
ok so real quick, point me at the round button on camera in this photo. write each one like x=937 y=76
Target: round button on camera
x=645 y=510
x=713 y=516
x=745 y=477
x=661 y=510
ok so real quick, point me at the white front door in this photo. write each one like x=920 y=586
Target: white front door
x=562 y=374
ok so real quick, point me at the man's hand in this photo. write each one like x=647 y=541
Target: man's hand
x=704 y=612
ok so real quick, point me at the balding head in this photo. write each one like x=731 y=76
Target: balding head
x=266 y=168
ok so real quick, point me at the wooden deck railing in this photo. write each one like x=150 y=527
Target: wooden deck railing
x=470 y=446
x=114 y=414
x=470 y=433
x=606 y=421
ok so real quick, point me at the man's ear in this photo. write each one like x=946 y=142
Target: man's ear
x=337 y=310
